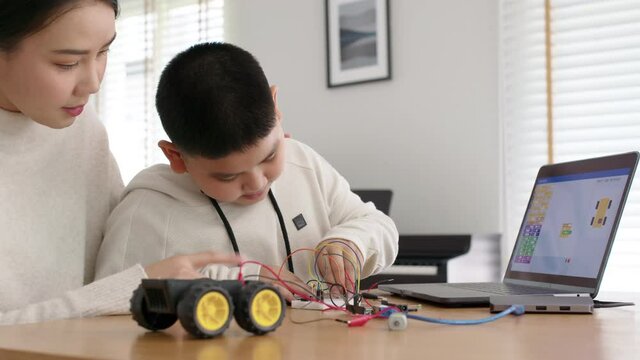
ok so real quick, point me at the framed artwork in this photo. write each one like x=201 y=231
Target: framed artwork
x=358 y=46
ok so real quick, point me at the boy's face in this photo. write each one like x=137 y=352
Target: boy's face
x=242 y=178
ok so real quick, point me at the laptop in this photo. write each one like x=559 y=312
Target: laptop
x=565 y=238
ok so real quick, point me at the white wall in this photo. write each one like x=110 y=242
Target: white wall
x=430 y=134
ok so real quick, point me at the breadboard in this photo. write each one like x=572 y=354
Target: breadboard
x=312 y=305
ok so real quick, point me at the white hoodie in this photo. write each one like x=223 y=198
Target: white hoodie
x=164 y=214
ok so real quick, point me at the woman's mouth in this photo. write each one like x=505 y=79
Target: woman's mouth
x=74 y=111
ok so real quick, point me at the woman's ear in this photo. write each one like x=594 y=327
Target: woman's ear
x=174 y=156
x=274 y=94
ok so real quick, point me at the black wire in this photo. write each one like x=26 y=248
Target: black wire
x=326 y=286
x=610 y=304
x=370 y=296
x=331 y=296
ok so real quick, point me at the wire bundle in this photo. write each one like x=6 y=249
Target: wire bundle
x=323 y=262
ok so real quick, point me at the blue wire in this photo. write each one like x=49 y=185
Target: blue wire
x=513 y=309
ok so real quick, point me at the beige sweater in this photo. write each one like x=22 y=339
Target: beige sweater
x=57 y=187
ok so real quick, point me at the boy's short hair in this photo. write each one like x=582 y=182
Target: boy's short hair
x=214 y=99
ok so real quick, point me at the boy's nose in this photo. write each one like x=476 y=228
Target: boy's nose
x=256 y=181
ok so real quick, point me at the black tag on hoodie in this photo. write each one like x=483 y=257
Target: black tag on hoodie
x=299 y=221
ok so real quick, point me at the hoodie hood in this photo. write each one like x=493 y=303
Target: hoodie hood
x=160 y=178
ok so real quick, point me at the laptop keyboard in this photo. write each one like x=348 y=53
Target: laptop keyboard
x=503 y=289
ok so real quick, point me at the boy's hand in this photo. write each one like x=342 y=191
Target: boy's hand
x=292 y=281
x=339 y=262
x=188 y=266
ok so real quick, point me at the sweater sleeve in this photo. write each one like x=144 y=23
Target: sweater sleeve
x=108 y=296
x=372 y=231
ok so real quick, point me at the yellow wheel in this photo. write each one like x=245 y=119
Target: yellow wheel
x=205 y=311
x=266 y=308
x=212 y=311
x=259 y=308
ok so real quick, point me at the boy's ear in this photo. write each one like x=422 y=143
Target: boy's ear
x=174 y=156
x=274 y=94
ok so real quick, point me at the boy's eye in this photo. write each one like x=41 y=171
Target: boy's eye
x=271 y=157
x=228 y=178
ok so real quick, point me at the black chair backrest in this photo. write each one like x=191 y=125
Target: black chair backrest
x=380 y=198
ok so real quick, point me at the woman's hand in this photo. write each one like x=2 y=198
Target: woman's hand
x=188 y=266
x=289 y=278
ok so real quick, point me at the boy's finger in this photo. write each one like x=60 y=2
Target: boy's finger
x=325 y=267
x=337 y=269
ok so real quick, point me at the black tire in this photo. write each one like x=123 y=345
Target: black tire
x=205 y=324
x=145 y=318
x=273 y=310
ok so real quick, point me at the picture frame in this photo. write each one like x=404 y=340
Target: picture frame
x=358 y=41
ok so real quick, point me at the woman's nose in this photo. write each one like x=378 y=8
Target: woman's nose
x=89 y=82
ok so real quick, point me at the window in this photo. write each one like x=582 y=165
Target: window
x=593 y=104
x=150 y=33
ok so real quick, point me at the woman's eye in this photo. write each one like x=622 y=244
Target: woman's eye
x=67 y=66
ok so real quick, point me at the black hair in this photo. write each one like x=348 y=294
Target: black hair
x=22 y=18
x=214 y=99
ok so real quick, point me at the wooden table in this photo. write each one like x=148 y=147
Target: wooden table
x=612 y=333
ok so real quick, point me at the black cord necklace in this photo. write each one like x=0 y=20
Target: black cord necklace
x=232 y=236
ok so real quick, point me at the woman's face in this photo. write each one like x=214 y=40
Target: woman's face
x=50 y=74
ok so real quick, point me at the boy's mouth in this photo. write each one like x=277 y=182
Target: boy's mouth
x=255 y=195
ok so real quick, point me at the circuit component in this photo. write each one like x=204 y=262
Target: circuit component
x=397 y=321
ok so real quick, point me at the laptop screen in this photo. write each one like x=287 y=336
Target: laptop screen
x=570 y=222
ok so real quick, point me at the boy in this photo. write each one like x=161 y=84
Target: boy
x=236 y=183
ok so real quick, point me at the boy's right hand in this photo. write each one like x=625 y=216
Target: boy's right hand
x=292 y=281
x=188 y=266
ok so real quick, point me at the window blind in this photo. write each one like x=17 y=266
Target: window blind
x=595 y=67
x=523 y=108
x=149 y=34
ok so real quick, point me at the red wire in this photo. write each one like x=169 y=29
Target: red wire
x=289 y=288
x=286 y=286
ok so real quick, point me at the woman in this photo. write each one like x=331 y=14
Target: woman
x=59 y=181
